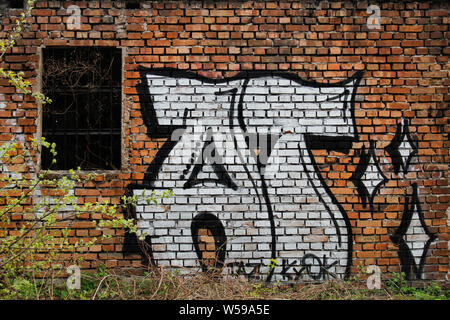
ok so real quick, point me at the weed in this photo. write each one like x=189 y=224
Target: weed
x=159 y=284
x=398 y=286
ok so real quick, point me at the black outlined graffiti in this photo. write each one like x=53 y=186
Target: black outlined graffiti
x=209 y=150
x=209 y=222
x=248 y=270
x=362 y=169
x=409 y=265
x=393 y=149
x=239 y=126
x=310 y=265
x=323 y=267
x=132 y=244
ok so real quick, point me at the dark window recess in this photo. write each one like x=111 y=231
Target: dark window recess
x=132 y=4
x=14 y=4
x=84 y=119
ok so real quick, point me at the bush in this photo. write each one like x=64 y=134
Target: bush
x=36 y=210
x=36 y=214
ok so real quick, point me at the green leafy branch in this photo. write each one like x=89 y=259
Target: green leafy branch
x=54 y=205
x=16 y=79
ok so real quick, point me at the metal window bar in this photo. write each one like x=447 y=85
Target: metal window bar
x=81 y=118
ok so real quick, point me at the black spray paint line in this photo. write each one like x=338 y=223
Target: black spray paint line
x=342 y=145
x=220 y=171
x=286 y=266
x=264 y=187
x=330 y=194
x=149 y=113
x=263 y=182
x=132 y=245
x=152 y=172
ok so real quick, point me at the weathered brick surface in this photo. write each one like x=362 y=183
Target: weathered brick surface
x=404 y=89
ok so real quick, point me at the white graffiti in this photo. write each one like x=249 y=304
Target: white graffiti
x=216 y=131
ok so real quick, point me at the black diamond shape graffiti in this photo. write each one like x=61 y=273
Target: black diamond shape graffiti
x=402 y=148
x=413 y=237
x=368 y=177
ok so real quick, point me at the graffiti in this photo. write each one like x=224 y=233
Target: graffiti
x=248 y=270
x=219 y=145
x=368 y=176
x=221 y=173
x=401 y=143
x=402 y=149
x=310 y=265
x=238 y=154
x=418 y=245
x=207 y=230
x=290 y=270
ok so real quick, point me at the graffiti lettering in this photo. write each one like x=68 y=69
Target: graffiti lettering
x=310 y=266
x=221 y=145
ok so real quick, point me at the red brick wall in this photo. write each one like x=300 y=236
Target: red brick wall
x=406 y=77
